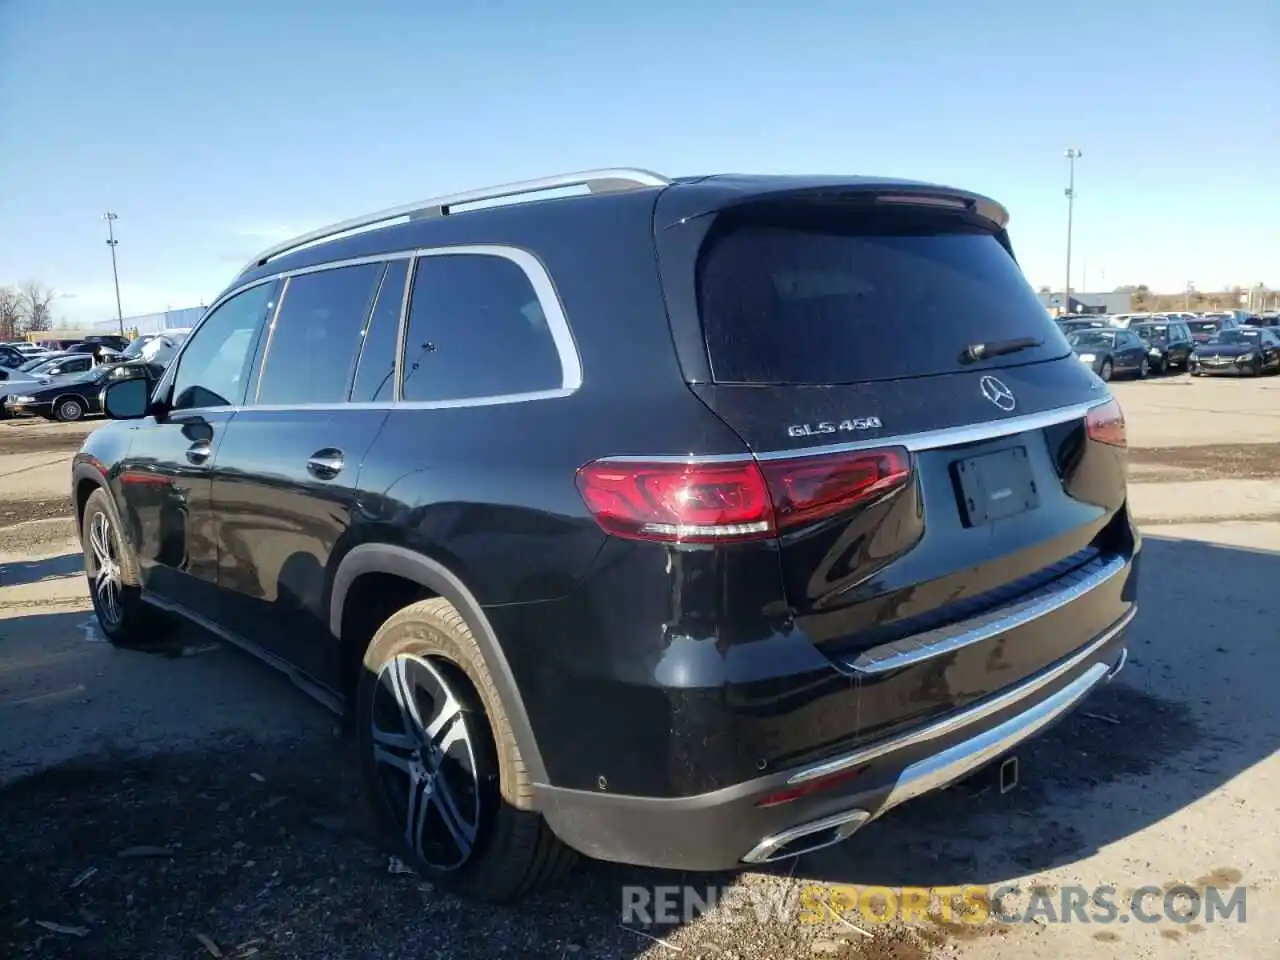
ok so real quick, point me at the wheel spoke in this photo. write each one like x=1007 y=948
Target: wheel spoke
x=463 y=833
x=450 y=711
x=394 y=741
x=397 y=761
x=416 y=815
x=455 y=733
x=402 y=688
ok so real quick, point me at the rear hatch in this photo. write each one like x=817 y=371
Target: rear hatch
x=890 y=353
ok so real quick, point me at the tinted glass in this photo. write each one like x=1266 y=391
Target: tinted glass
x=214 y=369
x=317 y=330
x=806 y=296
x=377 y=365
x=1205 y=326
x=476 y=329
x=1093 y=338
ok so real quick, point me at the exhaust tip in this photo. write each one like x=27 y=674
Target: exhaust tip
x=807 y=837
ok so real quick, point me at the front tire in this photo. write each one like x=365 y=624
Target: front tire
x=113 y=578
x=1105 y=371
x=68 y=409
x=440 y=764
x=1144 y=368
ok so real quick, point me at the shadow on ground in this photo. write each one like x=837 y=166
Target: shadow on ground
x=21 y=572
x=264 y=847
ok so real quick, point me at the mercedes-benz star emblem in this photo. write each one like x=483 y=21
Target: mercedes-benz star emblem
x=998 y=393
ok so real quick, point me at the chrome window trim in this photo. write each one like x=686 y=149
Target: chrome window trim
x=915 y=442
x=571 y=375
x=364 y=331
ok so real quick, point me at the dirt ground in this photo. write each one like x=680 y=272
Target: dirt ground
x=189 y=803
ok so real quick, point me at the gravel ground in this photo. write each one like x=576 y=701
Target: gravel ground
x=1218 y=462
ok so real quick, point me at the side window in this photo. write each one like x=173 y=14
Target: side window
x=214 y=369
x=78 y=364
x=476 y=329
x=314 y=338
x=376 y=365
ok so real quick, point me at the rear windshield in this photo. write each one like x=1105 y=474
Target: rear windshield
x=1205 y=326
x=805 y=296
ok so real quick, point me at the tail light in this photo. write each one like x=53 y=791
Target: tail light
x=1105 y=424
x=742 y=500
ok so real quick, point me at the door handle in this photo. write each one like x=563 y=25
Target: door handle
x=326 y=464
x=199 y=453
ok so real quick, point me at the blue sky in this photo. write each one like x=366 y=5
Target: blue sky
x=216 y=128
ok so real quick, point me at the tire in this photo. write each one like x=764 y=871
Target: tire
x=497 y=850
x=1105 y=371
x=68 y=409
x=1144 y=368
x=1161 y=365
x=117 y=598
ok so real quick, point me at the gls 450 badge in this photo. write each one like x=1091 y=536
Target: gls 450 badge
x=822 y=427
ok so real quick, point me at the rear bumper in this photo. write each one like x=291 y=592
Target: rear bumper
x=726 y=828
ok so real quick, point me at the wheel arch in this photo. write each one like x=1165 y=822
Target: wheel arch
x=382 y=558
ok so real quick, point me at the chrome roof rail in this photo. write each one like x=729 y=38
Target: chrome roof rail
x=611 y=180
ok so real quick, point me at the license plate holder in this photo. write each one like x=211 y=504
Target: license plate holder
x=995 y=486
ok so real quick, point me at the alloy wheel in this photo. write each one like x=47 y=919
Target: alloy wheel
x=69 y=410
x=424 y=744
x=107 y=582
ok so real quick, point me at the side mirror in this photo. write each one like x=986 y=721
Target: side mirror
x=127 y=399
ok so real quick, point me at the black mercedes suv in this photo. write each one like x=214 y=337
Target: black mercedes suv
x=689 y=523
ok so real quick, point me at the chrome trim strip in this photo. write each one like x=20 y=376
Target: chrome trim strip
x=767 y=849
x=916 y=649
x=946 y=767
x=957 y=721
x=596 y=181
x=571 y=375
x=915 y=442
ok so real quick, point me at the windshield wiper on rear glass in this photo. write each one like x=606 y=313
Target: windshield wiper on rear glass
x=983 y=351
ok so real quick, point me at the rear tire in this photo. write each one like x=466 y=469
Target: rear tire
x=69 y=409
x=440 y=764
x=112 y=570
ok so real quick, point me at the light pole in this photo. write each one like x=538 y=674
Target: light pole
x=1072 y=155
x=115 y=273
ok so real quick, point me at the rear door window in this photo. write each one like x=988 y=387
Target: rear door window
x=313 y=341
x=802 y=296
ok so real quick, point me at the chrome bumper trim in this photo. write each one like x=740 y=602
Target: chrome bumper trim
x=963 y=718
x=936 y=643
x=954 y=763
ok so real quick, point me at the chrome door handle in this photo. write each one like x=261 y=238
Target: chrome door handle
x=199 y=453
x=326 y=464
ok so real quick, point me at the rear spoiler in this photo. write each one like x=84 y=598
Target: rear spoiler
x=688 y=199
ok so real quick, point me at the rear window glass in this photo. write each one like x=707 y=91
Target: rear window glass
x=804 y=296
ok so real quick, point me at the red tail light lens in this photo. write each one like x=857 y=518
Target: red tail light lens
x=808 y=489
x=723 y=502
x=1105 y=424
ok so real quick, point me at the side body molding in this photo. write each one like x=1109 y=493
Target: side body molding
x=388 y=558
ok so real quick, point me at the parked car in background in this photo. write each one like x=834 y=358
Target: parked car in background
x=112 y=340
x=57 y=344
x=616 y=522
x=1169 y=341
x=78 y=395
x=157 y=347
x=13 y=356
x=1208 y=325
x=1071 y=326
x=42 y=371
x=101 y=352
x=1110 y=352
x=1238 y=351
x=1122 y=320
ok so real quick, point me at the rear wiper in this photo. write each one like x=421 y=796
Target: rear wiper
x=982 y=351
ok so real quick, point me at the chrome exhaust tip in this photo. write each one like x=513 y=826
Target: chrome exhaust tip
x=807 y=837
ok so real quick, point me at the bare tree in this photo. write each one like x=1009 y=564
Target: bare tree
x=10 y=312
x=36 y=302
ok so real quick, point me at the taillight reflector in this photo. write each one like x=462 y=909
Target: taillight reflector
x=743 y=500
x=805 y=789
x=1105 y=424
